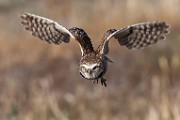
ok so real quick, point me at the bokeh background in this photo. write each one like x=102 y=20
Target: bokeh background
x=39 y=81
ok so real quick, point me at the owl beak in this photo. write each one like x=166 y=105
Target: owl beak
x=89 y=71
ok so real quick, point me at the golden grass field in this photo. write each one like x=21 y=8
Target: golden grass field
x=39 y=81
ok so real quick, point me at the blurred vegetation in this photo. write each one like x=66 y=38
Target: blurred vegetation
x=41 y=82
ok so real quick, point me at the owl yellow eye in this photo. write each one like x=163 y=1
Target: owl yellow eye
x=83 y=68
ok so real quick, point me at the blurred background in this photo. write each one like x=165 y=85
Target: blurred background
x=39 y=81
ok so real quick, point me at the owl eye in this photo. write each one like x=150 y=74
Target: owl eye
x=95 y=67
x=83 y=68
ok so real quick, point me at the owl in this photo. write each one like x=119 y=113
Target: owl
x=94 y=62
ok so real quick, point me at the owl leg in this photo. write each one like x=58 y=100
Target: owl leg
x=95 y=80
x=103 y=82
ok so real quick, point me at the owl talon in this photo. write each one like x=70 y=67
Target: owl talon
x=97 y=81
x=103 y=82
x=94 y=81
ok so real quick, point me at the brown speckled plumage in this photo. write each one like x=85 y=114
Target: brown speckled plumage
x=93 y=63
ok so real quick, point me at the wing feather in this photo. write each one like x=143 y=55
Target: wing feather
x=46 y=29
x=54 y=33
x=136 y=36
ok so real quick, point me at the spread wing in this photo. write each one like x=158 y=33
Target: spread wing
x=54 y=33
x=136 y=36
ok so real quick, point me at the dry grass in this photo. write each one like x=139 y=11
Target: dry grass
x=41 y=82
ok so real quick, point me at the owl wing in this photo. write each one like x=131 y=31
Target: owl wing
x=136 y=36
x=54 y=33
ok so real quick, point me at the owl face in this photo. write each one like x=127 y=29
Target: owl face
x=91 y=71
x=91 y=66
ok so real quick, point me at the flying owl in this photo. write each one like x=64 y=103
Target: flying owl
x=93 y=63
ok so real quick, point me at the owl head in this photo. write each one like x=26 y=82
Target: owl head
x=91 y=66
